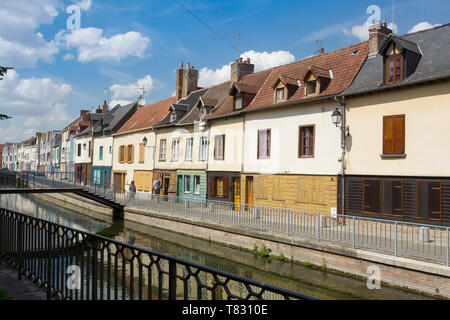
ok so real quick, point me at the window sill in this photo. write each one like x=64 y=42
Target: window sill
x=393 y=156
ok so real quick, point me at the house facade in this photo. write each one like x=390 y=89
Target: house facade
x=396 y=110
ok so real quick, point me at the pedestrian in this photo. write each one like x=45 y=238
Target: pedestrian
x=132 y=190
x=157 y=188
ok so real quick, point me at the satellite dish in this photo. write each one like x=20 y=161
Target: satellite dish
x=141 y=101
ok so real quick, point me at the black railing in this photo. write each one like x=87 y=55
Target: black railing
x=77 y=265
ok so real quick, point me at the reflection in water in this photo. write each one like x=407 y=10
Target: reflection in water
x=143 y=279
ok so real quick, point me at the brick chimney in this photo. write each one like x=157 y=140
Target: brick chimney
x=240 y=68
x=105 y=107
x=99 y=110
x=377 y=34
x=187 y=81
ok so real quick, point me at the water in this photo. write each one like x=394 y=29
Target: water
x=316 y=283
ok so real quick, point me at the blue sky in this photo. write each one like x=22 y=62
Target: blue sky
x=122 y=45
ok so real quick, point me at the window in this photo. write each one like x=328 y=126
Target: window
x=187 y=184
x=264 y=144
x=429 y=200
x=219 y=147
x=173 y=116
x=196 y=184
x=122 y=154
x=371 y=196
x=311 y=87
x=100 y=153
x=238 y=102
x=141 y=153
x=203 y=149
x=280 y=94
x=89 y=150
x=110 y=149
x=188 y=152
x=130 y=153
x=162 y=150
x=175 y=149
x=394 y=69
x=79 y=150
x=394 y=135
x=306 y=142
x=219 y=189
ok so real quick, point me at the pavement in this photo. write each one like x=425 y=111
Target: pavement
x=19 y=289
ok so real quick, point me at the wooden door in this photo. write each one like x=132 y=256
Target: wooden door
x=237 y=192
x=249 y=189
x=119 y=182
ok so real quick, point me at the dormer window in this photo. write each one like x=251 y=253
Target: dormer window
x=394 y=69
x=280 y=96
x=238 y=102
x=173 y=116
x=311 y=87
x=316 y=80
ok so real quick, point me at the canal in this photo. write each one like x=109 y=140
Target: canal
x=318 y=283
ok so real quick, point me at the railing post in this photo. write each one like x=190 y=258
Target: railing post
x=172 y=280
x=49 y=262
x=261 y=217
x=318 y=227
x=185 y=207
x=395 y=249
x=239 y=218
x=448 y=247
x=201 y=210
x=20 y=246
x=353 y=237
x=288 y=221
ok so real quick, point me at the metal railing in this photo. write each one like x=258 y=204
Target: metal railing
x=429 y=242
x=72 y=264
x=398 y=238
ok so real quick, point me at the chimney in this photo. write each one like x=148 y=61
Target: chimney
x=105 y=107
x=99 y=110
x=321 y=51
x=240 y=68
x=186 y=81
x=377 y=34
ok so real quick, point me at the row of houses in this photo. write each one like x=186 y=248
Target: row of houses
x=358 y=131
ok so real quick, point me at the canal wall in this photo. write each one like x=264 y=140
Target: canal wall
x=394 y=271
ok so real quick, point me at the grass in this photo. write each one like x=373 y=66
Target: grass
x=4 y=295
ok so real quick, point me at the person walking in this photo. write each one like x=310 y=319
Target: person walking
x=132 y=190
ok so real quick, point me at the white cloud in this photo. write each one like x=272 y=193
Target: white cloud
x=68 y=56
x=261 y=60
x=91 y=45
x=84 y=4
x=423 y=26
x=21 y=45
x=33 y=103
x=132 y=90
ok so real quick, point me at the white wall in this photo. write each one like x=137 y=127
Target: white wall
x=284 y=124
x=84 y=157
x=106 y=143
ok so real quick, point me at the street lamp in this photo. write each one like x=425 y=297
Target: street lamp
x=84 y=145
x=336 y=117
x=144 y=141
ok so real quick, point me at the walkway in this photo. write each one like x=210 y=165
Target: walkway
x=19 y=290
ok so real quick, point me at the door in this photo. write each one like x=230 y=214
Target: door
x=119 y=182
x=105 y=177
x=249 y=189
x=180 y=186
x=166 y=186
x=237 y=192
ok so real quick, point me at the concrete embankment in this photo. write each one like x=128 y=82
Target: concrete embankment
x=394 y=271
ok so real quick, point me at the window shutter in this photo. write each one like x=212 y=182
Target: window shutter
x=225 y=187
x=399 y=134
x=141 y=152
x=268 y=143
x=258 y=146
x=212 y=186
x=132 y=153
x=434 y=200
x=388 y=135
x=371 y=199
x=311 y=141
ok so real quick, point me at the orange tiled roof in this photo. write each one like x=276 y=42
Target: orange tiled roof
x=147 y=116
x=343 y=64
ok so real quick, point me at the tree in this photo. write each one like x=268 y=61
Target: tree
x=3 y=71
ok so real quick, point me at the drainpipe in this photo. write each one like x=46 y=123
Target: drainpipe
x=343 y=153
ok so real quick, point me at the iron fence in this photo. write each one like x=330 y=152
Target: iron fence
x=76 y=265
x=399 y=238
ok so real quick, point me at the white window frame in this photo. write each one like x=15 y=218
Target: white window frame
x=203 y=149
x=175 y=149
x=189 y=148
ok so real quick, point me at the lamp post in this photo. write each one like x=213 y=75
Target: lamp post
x=338 y=119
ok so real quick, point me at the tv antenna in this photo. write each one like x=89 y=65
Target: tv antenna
x=316 y=42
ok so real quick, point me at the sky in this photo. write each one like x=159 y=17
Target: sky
x=70 y=55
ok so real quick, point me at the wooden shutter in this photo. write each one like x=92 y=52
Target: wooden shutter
x=399 y=134
x=212 y=186
x=141 y=152
x=225 y=187
x=392 y=197
x=277 y=189
x=388 y=135
x=429 y=199
x=394 y=134
x=371 y=196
